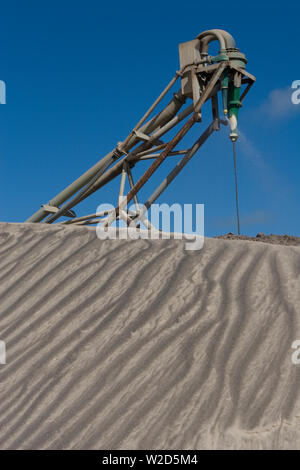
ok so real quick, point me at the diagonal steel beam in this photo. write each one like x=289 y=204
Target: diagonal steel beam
x=171 y=145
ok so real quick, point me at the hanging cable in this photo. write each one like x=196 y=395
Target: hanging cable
x=236 y=188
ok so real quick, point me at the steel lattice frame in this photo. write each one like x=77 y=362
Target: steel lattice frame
x=201 y=80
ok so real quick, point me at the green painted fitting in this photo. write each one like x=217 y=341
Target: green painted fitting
x=222 y=57
x=234 y=103
x=224 y=88
x=237 y=57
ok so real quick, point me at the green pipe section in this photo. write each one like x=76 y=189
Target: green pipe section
x=234 y=103
x=224 y=87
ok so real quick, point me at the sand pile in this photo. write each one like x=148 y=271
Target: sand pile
x=287 y=240
x=141 y=344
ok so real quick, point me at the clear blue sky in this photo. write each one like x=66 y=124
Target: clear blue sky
x=79 y=75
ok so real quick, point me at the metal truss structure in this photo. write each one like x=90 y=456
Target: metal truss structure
x=202 y=78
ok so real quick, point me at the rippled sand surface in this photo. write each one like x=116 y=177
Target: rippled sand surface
x=144 y=345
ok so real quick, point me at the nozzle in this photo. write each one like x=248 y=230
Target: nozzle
x=234 y=136
x=233 y=128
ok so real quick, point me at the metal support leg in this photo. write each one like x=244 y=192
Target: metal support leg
x=180 y=165
x=171 y=145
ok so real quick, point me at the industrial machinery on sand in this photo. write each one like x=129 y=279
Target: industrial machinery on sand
x=202 y=78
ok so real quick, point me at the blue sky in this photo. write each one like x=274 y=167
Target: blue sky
x=79 y=75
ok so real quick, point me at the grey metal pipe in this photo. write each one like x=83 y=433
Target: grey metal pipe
x=77 y=197
x=199 y=142
x=85 y=192
x=158 y=125
x=72 y=188
x=117 y=168
x=160 y=119
x=214 y=33
x=84 y=217
x=152 y=107
x=229 y=39
x=123 y=180
x=211 y=35
x=163 y=130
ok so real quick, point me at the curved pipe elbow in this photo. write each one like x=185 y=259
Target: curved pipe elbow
x=212 y=35
x=225 y=39
x=229 y=39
